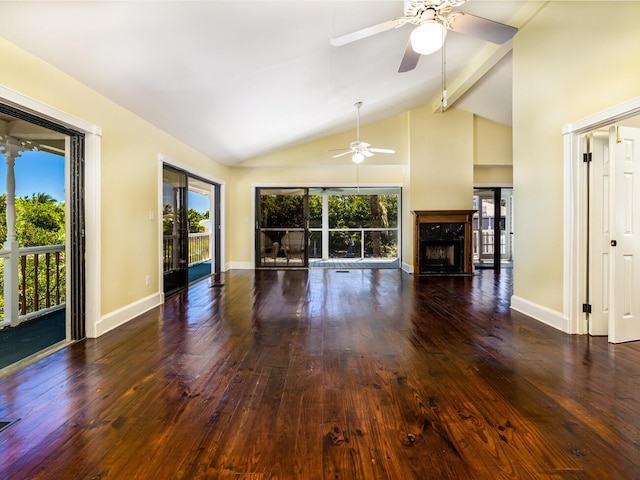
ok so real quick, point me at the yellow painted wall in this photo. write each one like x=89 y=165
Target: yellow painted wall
x=492 y=143
x=389 y=133
x=494 y=176
x=441 y=160
x=129 y=172
x=574 y=59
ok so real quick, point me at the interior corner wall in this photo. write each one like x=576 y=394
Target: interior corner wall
x=572 y=60
x=493 y=176
x=492 y=143
x=128 y=180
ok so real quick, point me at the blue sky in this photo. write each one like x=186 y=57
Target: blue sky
x=42 y=172
x=198 y=202
x=36 y=172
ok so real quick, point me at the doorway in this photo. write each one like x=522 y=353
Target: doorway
x=190 y=229
x=602 y=247
x=282 y=233
x=42 y=264
x=493 y=228
x=613 y=171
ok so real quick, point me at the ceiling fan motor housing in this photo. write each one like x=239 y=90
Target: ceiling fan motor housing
x=358 y=146
x=415 y=8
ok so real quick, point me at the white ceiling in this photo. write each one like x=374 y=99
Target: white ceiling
x=238 y=79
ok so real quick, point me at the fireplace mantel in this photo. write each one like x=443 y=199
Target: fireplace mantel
x=443 y=242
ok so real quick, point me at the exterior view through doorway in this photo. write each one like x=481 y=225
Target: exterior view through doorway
x=493 y=228
x=190 y=229
x=330 y=227
x=42 y=229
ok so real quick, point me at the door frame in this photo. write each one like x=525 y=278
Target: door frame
x=259 y=228
x=84 y=275
x=218 y=226
x=575 y=238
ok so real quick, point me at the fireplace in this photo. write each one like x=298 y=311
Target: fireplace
x=443 y=242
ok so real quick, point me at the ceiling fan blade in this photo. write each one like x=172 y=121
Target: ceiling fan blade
x=382 y=150
x=366 y=153
x=366 y=32
x=483 y=28
x=409 y=60
x=343 y=153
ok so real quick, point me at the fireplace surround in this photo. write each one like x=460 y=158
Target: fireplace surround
x=443 y=242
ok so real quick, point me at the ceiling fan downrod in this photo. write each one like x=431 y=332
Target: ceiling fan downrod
x=358 y=105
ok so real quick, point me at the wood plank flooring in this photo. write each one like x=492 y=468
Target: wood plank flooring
x=322 y=374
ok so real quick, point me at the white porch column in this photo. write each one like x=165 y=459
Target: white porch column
x=11 y=149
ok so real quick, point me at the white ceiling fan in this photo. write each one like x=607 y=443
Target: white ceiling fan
x=359 y=148
x=432 y=19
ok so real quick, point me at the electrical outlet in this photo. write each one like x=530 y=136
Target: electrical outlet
x=148 y=280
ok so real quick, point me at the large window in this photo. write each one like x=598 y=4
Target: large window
x=356 y=224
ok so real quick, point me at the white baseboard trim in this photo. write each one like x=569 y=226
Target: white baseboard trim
x=239 y=266
x=543 y=314
x=407 y=267
x=121 y=316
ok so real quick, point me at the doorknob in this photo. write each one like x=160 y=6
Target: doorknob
x=613 y=243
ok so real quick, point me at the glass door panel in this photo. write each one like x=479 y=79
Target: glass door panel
x=282 y=239
x=506 y=226
x=174 y=229
x=492 y=227
x=200 y=228
x=483 y=228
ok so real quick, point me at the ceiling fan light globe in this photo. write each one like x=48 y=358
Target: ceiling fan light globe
x=357 y=158
x=428 y=37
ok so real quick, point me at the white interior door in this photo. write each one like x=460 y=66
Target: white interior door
x=624 y=319
x=599 y=234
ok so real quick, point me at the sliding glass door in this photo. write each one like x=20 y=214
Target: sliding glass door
x=281 y=228
x=174 y=229
x=191 y=229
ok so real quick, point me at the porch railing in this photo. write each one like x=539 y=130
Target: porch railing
x=198 y=250
x=199 y=247
x=41 y=281
x=355 y=242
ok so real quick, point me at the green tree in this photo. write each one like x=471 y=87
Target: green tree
x=39 y=221
x=282 y=211
x=194 y=220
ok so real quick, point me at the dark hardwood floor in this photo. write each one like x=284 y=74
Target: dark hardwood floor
x=329 y=375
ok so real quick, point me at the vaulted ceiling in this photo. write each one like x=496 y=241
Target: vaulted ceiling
x=238 y=79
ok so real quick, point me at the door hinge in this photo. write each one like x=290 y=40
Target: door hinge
x=586 y=308
x=587 y=157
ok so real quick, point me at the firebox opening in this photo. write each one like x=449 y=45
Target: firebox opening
x=442 y=247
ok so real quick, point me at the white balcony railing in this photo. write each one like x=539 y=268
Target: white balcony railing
x=198 y=249
x=41 y=282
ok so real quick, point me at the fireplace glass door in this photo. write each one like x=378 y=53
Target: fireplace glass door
x=442 y=246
